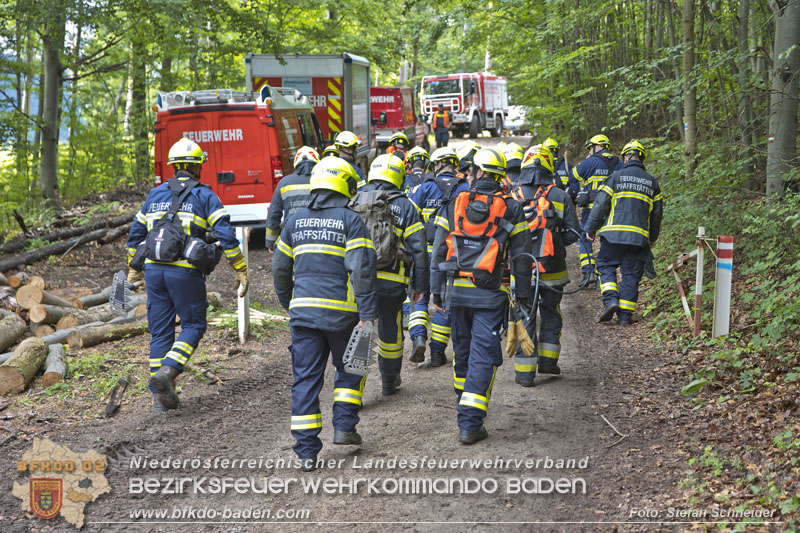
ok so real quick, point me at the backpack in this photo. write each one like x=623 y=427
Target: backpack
x=544 y=224
x=587 y=196
x=166 y=241
x=373 y=208
x=478 y=238
x=447 y=191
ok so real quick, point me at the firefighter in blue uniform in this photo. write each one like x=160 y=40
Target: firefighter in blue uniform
x=513 y=153
x=564 y=178
x=465 y=152
x=590 y=174
x=417 y=163
x=627 y=216
x=178 y=288
x=330 y=151
x=430 y=197
x=548 y=209
x=291 y=194
x=324 y=275
x=386 y=174
x=347 y=145
x=479 y=302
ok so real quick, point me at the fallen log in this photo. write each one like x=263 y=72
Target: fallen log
x=28 y=296
x=41 y=330
x=60 y=235
x=54 y=366
x=32 y=256
x=3 y=280
x=59 y=337
x=49 y=314
x=85 y=302
x=37 y=281
x=4 y=313
x=86 y=337
x=18 y=280
x=102 y=313
x=12 y=328
x=71 y=293
x=115 y=234
x=22 y=366
x=141 y=310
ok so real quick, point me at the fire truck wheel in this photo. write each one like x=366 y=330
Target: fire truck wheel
x=474 y=127
x=497 y=131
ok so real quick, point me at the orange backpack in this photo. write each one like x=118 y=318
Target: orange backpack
x=477 y=241
x=543 y=222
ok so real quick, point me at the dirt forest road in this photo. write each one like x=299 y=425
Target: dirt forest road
x=608 y=376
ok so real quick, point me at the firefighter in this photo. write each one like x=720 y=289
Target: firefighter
x=178 y=288
x=550 y=216
x=330 y=151
x=386 y=174
x=347 y=144
x=633 y=199
x=324 y=276
x=466 y=274
x=590 y=174
x=440 y=122
x=418 y=163
x=513 y=153
x=564 y=178
x=291 y=194
x=430 y=198
x=465 y=153
x=398 y=145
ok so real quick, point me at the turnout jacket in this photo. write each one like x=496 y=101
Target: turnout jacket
x=464 y=292
x=290 y=196
x=631 y=199
x=428 y=197
x=531 y=180
x=200 y=213
x=593 y=171
x=324 y=266
x=410 y=232
x=414 y=178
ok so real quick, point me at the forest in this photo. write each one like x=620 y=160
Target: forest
x=710 y=87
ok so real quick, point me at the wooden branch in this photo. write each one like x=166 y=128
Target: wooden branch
x=17 y=373
x=28 y=296
x=12 y=328
x=32 y=256
x=116 y=233
x=55 y=366
x=86 y=337
x=68 y=233
x=92 y=300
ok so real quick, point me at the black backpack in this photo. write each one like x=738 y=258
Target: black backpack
x=167 y=240
x=447 y=192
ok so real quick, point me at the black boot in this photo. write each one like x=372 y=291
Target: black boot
x=157 y=407
x=309 y=464
x=438 y=359
x=548 y=367
x=164 y=382
x=418 y=349
x=390 y=384
x=588 y=280
x=471 y=437
x=525 y=382
x=346 y=437
x=608 y=312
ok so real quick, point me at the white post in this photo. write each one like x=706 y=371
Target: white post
x=722 y=287
x=698 y=281
x=243 y=304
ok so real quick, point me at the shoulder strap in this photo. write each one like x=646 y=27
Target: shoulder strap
x=610 y=162
x=447 y=193
x=179 y=196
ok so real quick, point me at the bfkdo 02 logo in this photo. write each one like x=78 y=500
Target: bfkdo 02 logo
x=46 y=496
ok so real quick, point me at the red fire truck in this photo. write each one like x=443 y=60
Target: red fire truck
x=336 y=85
x=249 y=140
x=477 y=101
x=392 y=112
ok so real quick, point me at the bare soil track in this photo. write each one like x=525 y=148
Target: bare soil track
x=608 y=371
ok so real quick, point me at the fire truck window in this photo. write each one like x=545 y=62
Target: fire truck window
x=292 y=132
x=306 y=131
x=442 y=87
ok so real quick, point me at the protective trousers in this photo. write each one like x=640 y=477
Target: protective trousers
x=171 y=291
x=548 y=341
x=418 y=323
x=629 y=260
x=310 y=349
x=587 y=259
x=476 y=343
x=442 y=137
x=390 y=335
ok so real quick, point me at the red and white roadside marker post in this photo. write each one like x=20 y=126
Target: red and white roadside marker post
x=722 y=287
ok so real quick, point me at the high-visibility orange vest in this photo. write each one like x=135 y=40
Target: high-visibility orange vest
x=446 y=115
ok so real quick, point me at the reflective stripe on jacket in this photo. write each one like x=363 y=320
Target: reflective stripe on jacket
x=290 y=196
x=593 y=171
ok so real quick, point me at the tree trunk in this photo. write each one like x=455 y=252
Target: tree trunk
x=55 y=366
x=673 y=42
x=28 y=296
x=86 y=337
x=42 y=330
x=12 y=328
x=52 y=43
x=86 y=302
x=745 y=106
x=18 y=280
x=689 y=90
x=3 y=280
x=68 y=233
x=139 y=120
x=25 y=258
x=20 y=369
x=49 y=314
x=100 y=313
x=782 y=138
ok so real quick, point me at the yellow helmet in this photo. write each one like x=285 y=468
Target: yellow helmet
x=512 y=151
x=635 y=147
x=334 y=174
x=445 y=154
x=600 y=140
x=305 y=153
x=330 y=150
x=418 y=152
x=399 y=136
x=347 y=139
x=551 y=144
x=186 y=151
x=388 y=167
x=492 y=161
x=540 y=154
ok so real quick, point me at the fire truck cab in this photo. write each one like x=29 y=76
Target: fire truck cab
x=249 y=140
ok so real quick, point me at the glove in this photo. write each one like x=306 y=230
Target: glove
x=525 y=342
x=511 y=340
x=240 y=272
x=135 y=276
